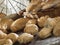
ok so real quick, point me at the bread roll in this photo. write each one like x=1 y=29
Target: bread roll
x=50 y=23
x=41 y=21
x=6 y=42
x=5 y=24
x=12 y=36
x=25 y=38
x=44 y=33
x=56 y=30
x=19 y=24
x=31 y=29
x=2 y=35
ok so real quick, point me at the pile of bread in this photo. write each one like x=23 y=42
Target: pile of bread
x=29 y=24
x=42 y=27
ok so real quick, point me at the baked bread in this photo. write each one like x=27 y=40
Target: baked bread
x=18 y=24
x=44 y=33
x=50 y=23
x=5 y=24
x=25 y=38
x=31 y=29
x=12 y=36
x=56 y=30
x=41 y=21
x=6 y=42
x=2 y=35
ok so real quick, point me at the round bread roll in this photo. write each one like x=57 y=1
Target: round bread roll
x=19 y=24
x=50 y=23
x=44 y=33
x=31 y=29
x=5 y=24
x=56 y=30
x=25 y=38
x=6 y=42
x=41 y=21
x=32 y=21
x=2 y=35
x=12 y=36
x=2 y=15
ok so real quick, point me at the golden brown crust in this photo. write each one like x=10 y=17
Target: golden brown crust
x=5 y=24
x=44 y=33
x=6 y=42
x=41 y=21
x=50 y=23
x=25 y=38
x=2 y=35
x=19 y=24
x=12 y=36
x=56 y=30
x=31 y=29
